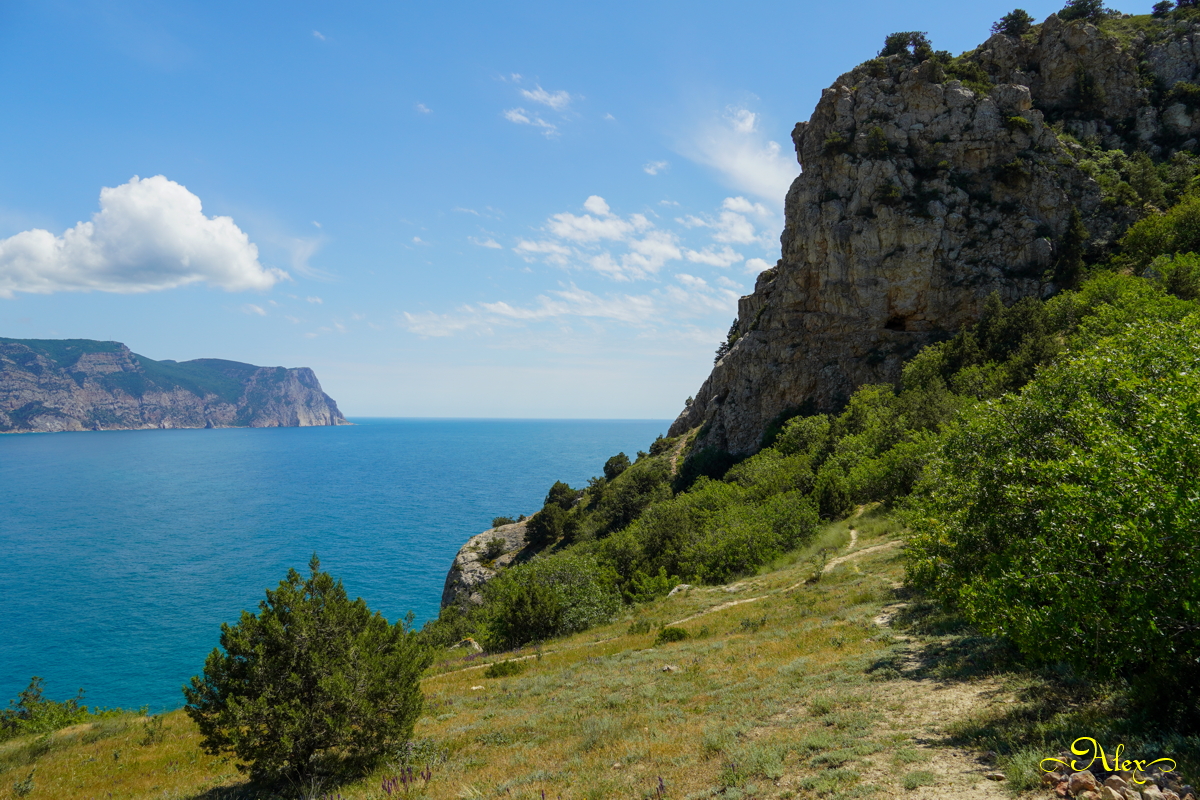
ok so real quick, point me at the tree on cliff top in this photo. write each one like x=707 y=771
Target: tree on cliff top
x=312 y=685
x=1016 y=23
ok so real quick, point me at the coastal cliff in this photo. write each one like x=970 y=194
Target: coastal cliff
x=49 y=385
x=930 y=182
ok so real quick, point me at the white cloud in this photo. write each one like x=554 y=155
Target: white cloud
x=552 y=252
x=741 y=205
x=318 y=35
x=555 y=100
x=315 y=300
x=149 y=235
x=736 y=148
x=724 y=257
x=595 y=204
x=727 y=283
x=489 y=243
x=743 y=121
x=610 y=117
x=655 y=167
x=424 y=109
x=520 y=116
x=250 y=308
x=756 y=265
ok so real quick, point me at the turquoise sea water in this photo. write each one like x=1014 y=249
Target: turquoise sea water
x=122 y=552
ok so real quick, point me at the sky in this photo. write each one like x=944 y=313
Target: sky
x=522 y=209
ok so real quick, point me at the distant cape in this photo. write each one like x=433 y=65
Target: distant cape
x=51 y=385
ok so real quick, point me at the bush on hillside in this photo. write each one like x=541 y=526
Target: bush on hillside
x=547 y=597
x=546 y=526
x=33 y=712
x=312 y=684
x=1065 y=517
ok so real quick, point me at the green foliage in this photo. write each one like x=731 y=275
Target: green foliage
x=1065 y=517
x=494 y=548
x=1185 y=92
x=915 y=43
x=1091 y=10
x=669 y=635
x=836 y=143
x=505 y=669
x=1162 y=8
x=1176 y=231
x=1015 y=23
x=1018 y=123
x=661 y=445
x=33 y=712
x=645 y=588
x=312 y=683
x=562 y=495
x=546 y=526
x=730 y=338
x=877 y=143
x=615 y=466
x=1179 y=274
x=546 y=597
x=971 y=73
x=1069 y=267
x=708 y=462
x=498 y=521
x=452 y=624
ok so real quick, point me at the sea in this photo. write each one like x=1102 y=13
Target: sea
x=122 y=552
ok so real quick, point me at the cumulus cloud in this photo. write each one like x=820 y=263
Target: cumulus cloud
x=756 y=265
x=555 y=100
x=724 y=257
x=149 y=234
x=655 y=167
x=489 y=243
x=424 y=109
x=736 y=148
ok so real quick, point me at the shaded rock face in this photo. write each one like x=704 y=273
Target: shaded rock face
x=918 y=198
x=104 y=386
x=475 y=565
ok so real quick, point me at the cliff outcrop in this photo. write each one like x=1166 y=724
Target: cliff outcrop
x=480 y=559
x=923 y=192
x=51 y=385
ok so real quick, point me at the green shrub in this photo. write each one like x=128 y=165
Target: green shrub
x=1018 y=123
x=562 y=495
x=546 y=597
x=312 y=683
x=645 y=588
x=32 y=712
x=915 y=43
x=494 y=548
x=639 y=627
x=1180 y=274
x=498 y=521
x=668 y=635
x=1176 y=231
x=1186 y=93
x=1162 y=8
x=836 y=143
x=546 y=526
x=877 y=143
x=1065 y=517
x=615 y=466
x=505 y=669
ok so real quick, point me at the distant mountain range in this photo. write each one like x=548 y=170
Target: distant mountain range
x=80 y=384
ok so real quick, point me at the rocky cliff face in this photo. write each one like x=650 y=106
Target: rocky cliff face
x=920 y=196
x=77 y=384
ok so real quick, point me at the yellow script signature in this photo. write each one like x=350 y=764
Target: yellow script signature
x=1091 y=747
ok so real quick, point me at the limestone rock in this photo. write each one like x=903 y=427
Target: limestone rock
x=919 y=197
x=1082 y=782
x=78 y=384
x=474 y=565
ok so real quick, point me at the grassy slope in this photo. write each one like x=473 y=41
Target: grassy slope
x=797 y=690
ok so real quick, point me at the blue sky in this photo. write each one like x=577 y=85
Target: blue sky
x=446 y=209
